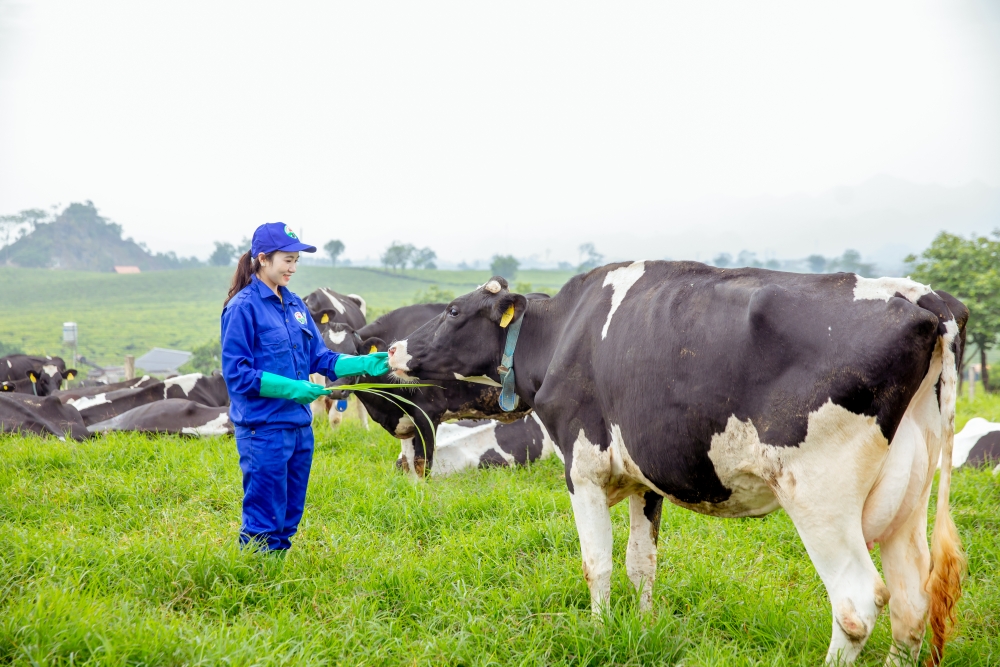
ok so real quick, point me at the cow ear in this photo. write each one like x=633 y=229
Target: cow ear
x=373 y=345
x=508 y=307
x=31 y=376
x=70 y=373
x=6 y=386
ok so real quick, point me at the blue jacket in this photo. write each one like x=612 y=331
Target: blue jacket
x=262 y=333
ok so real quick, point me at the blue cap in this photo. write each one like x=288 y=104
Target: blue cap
x=277 y=236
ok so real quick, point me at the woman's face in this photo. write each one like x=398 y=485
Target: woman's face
x=279 y=270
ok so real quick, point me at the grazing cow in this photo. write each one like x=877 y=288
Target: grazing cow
x=733 y=393
x=471 y=444
x=44 y=415
x=978 y=444
x=172 y=415
x=337 y=317
x=41 y=376
x=416 y=425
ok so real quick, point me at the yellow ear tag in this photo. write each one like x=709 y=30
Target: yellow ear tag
x=373 y=350
x=507 y=317
x=325 y=318
x=32 y=377
x=69 y=376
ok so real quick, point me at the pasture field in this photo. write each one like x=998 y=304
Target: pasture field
x=122 y=551
x=129 y=314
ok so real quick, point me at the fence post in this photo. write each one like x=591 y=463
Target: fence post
x=129 y=367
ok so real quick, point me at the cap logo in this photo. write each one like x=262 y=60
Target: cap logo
x=289 y=232
x=300 y=318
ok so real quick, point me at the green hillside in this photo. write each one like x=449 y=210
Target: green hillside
x=129 y=314
x=79 y=239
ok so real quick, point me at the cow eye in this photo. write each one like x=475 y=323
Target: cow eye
x=453 y=311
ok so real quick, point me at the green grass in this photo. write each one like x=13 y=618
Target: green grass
x=129 y=314
x=122 y=551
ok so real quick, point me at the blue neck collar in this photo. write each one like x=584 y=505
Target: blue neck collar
x=508 y=398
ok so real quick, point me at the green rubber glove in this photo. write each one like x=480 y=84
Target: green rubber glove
x=374 y=364
x=300 y=391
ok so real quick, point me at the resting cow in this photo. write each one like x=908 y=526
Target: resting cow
x=733 y=393
x=978 y=444
x=40 y=376
x=471 y=444
x=66 y=395
x=206 y=390
x=173 y=415
x=44 y=415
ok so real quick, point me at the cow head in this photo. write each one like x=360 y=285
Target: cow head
x=466 y=340
x=49 y=379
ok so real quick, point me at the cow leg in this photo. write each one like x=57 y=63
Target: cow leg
x=831 y=531
x=640 y=558
x=408 y=461
x=906 y=560
x=593 y=523
x=362 y=413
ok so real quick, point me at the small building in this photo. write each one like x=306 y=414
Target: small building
x=127 y=269
x=160 y=360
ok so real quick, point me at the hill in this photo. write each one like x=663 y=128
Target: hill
x=80 y=239
x=129 y=314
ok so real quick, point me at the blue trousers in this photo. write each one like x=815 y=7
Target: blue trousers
x=275 y=464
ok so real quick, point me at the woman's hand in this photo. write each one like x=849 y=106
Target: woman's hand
x=374 y=364
x=300 y=391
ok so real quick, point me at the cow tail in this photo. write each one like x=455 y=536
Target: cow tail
x=947 y=560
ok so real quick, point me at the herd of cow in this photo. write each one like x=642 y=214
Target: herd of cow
x=728 y=392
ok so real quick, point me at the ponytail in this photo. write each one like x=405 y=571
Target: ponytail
x=246 y=267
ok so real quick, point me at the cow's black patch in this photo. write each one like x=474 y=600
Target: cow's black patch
x=986 y=451
x=521 y=439
x=491 y=459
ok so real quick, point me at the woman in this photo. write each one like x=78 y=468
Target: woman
x=270 y=345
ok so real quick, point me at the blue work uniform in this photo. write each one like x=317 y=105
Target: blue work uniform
x=261 y=333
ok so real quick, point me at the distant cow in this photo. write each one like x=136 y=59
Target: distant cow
x=173 y=415
x=337 y=316
x=734 y=392
x=41 y=376
x=471 y=444
x=978 y=444
x=44 y=415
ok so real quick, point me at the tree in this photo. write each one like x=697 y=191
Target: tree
x=589 y=258
x=747 y=258
x=434 y=294
x=397 y=255
x=222 y=255
x=850 y=262
x=817 y=263
x=504 y=265
x=24 y=223
x=244 y=246
x=424 y=259
x=334 y=249
x=722 y=260
x=205 y=358
x=969 y=269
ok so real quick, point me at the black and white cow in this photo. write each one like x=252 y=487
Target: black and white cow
x=487 y=443
x=733 y=393
x=978 y=444
x=337 y=316
x=92 y=390
x=44 y=415
x=172 y=415
x=209 y=391
x=416 y=425
x=40 y=376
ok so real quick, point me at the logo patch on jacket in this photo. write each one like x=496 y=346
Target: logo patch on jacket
x=300 y=318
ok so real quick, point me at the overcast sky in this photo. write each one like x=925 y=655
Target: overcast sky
x=478 y=128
